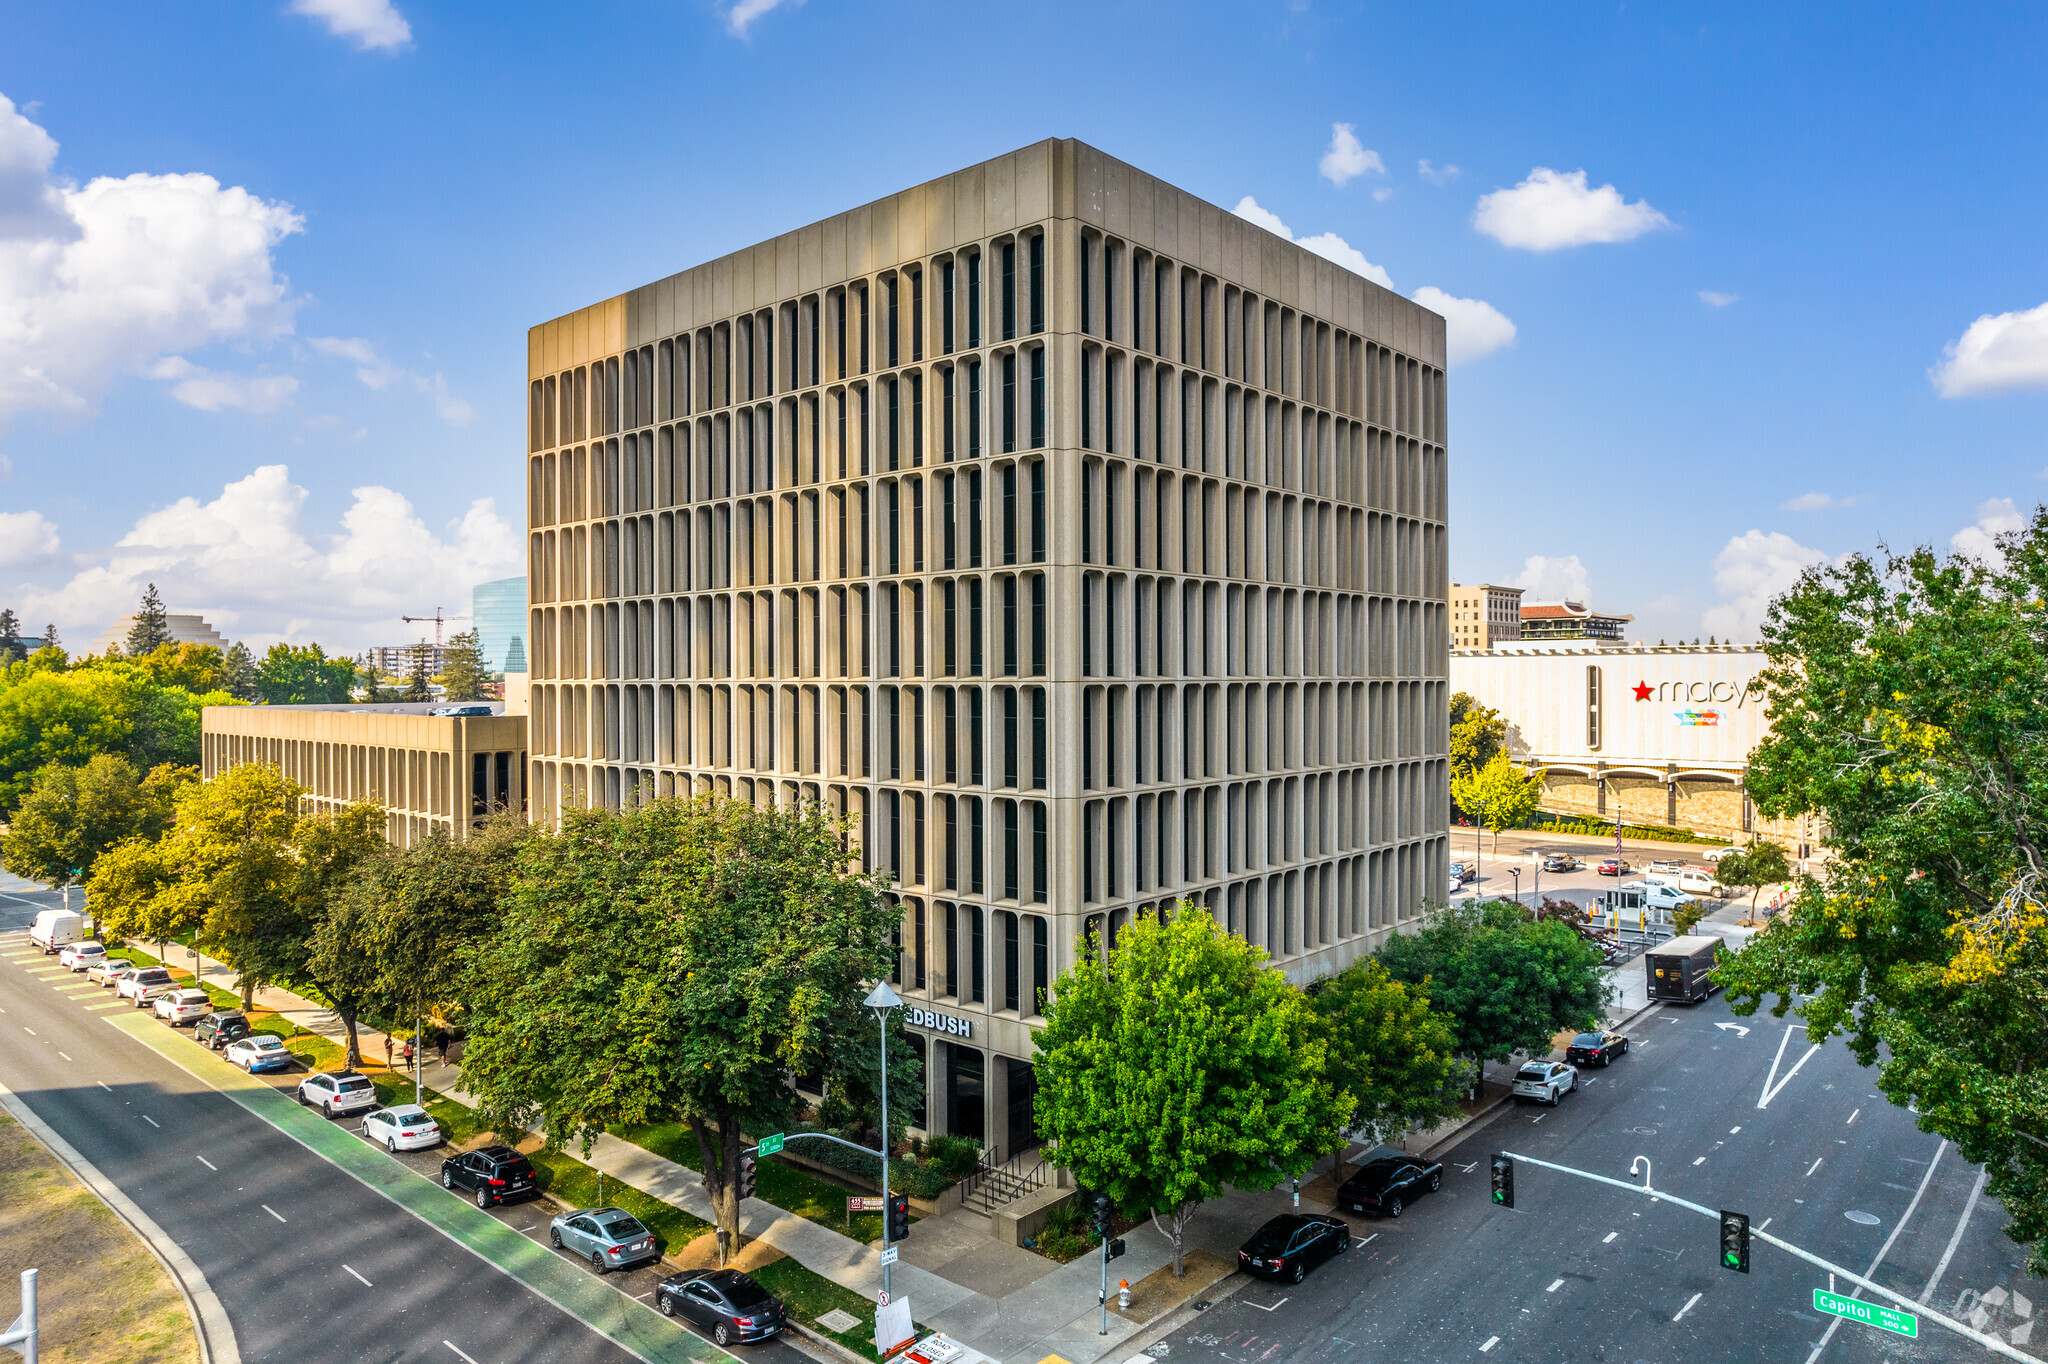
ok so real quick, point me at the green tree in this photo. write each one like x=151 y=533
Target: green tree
x=1508 y=982
x=1499 y=795
x=679 y=960
x=12 y=647
x=49 y=639
x=1388 y=1049
x=73 y=815
x=1477 y=733
x=417 y=688
x=305 y=675
x=53 y=714
x=198 y=668
x=1907 y=693
x=238 y=673
x=152 y=627
x=1183 y=1064
x=463 y=675
x=1761 y=864
x=431 y=907
x=325 y=940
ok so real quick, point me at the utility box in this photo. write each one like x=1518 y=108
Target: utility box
x=1679 y=968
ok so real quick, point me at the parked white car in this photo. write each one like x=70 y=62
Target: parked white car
x=143 y=986
x=258 y=1051
x=1714 y=855
x=1545 y=1081
x=405 y=1127
x=179 y=1007
x=108 y=971
x=81 y=955
x=337 y=1092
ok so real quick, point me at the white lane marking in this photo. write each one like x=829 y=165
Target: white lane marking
x=458 y=1352
x=66 y=1055
x=1538 y=1118
x=1955 y=1240
x=207 y=1163
x=272 y=1211
x=1468 y=1169
x=1554 y=1287
x=1609 y=1237
x=1852 y=1117
x=1766 y=1222
x=1491 y=1341
x=1771 y=1089
x=1811 y=1168
x=359 y=1278
x=1263 y=1308
x=27 y=1029
x=643 y=1295
x=1733 y=1130
x=1886 y=1248
x=1688 y=1304
x=1700 y=1160
x=1365 y=1239
x=104 y=1085
x=151 y=1121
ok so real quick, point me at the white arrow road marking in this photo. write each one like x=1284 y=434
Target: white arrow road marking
x=1771 y=1082
x=1735 y=1028
x=1263 y=1308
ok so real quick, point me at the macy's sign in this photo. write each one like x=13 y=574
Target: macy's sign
x=1722 y=693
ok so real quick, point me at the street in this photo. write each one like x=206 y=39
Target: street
x=310 y=1264
x=1582 y=1271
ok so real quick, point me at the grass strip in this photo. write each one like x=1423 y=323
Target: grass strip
x=791 y=1188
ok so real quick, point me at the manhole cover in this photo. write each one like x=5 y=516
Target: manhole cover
x=838 y=1320
x=1861 y=1219
x=1644 y=1131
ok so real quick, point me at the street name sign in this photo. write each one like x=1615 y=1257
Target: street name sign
x=1869 y=1313
x=770 y=1145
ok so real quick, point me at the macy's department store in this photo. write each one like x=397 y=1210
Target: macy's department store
x=1647 y=734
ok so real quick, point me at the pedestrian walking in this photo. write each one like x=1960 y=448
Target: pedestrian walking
x=441 y=1044
x=387 y=1051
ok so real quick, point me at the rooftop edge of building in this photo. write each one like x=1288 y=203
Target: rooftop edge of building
x=1054 y=179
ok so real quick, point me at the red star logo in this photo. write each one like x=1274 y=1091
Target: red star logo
x=1643 y=690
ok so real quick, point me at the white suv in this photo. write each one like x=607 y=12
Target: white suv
x=1545 y=1081
x=183 y=1006
x=337 y=1092
x=79 y=955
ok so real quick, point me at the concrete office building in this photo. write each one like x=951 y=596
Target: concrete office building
x=183 y=629
x=499 y=610
x=427 y=771
x=1484 y=615
x=1084 y=540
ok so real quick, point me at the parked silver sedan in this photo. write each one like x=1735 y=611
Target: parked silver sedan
x=402 y=1127
x=611 y=1238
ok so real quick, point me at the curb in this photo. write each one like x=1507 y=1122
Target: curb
x=209 y=1319
x=1177 y=1316
x=837 y=1350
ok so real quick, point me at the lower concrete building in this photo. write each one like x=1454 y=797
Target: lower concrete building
x=427 y=771
x=182 y=629
x=1656 y=735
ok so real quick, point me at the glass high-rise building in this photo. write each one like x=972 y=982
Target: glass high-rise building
x=499 y=610
x=1083 y=539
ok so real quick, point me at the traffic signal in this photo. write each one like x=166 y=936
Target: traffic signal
x=1103 y=1208
x=899 y=1217
x=1503 y=1181
x=1735 y=1241
x=1116 y=1247
x=746 y=1174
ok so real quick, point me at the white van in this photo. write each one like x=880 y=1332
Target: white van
x=1659 y=895
x=56 y=929
x=1690 y=880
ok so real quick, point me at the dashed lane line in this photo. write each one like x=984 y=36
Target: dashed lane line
x=359 y=1278
x=1609 y=1237
x=458 y=1352
x=1491 y=1341
x=272 y=1211
x=207 y=1163
x=1555 y=1286
x=1815 y=1166
x=1688 y=1304
x=154 y=1123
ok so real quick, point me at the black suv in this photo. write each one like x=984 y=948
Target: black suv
x=496 y=1174
x=216 y=1030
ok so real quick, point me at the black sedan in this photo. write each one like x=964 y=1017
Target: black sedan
x=1388 y=1184
x=495 y=1174
x=1596 y=1048
x=724 y=1302
x=1292 y=1244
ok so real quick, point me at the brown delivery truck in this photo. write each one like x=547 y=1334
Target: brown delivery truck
x=1678 y=969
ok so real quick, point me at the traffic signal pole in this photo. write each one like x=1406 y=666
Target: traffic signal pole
x=1992 y=1343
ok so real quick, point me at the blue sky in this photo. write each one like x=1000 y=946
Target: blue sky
x=266 y=269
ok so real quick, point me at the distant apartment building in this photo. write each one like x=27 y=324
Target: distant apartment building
x=1484 y=615
x=1558 y=620
x=398 y=660
x=499 y=610
x=184 y=629
x=1084 y=540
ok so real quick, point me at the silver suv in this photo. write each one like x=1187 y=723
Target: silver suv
x=337 y=1092
x=1545 y=1081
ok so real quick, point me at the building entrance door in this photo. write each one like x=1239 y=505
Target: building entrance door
x=1023 y=1126
x=966 y=1084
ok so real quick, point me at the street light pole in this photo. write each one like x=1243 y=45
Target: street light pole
x=882 y=999
x=1516 y=872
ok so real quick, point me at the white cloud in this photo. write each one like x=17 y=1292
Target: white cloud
x=2006 y=351
x=1328 y=245
x=1751 y=569
x=373 y=24
x=210 y=391
x=1714 y=299
x=1995 y=517
x=743 y=13
x=1347 y=158
x=1560 y=579
x=378 y=373
x=1821 y=502
x=1382 y=194
x=26 y=540
x=247 y=560
x=1552 y=209
x=1437 y=175
x=1472 y=327
x=104 y=281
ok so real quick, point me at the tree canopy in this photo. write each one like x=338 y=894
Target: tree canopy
x=1499 y=795
x=1477 y=733
x=463 y=675
x=679 y=960
x=1908 y=696
x=1507 y=981
x=152 y=627
x=51 y=713
x=1182 y=1064
x=303 y=675
x=1388 y=1048
x=73 y=815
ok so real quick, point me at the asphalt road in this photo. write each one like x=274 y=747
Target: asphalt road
x=310 y=1265
x=1580 y=1271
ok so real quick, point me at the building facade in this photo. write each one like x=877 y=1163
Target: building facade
x=1552 y=620
x=1642 y=734
x=398 y=660
x=183 y=629
x=499 y=610
x=1484 y=615
x=427 y=771
x=1084 y=541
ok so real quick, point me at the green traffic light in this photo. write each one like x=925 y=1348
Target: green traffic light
x=1731 y=1259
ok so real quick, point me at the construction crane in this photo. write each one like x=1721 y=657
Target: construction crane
x=438 y=618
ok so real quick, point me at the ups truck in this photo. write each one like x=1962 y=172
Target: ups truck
x=1678 y=969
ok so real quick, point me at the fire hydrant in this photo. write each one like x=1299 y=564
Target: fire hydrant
x=1123 y=1293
